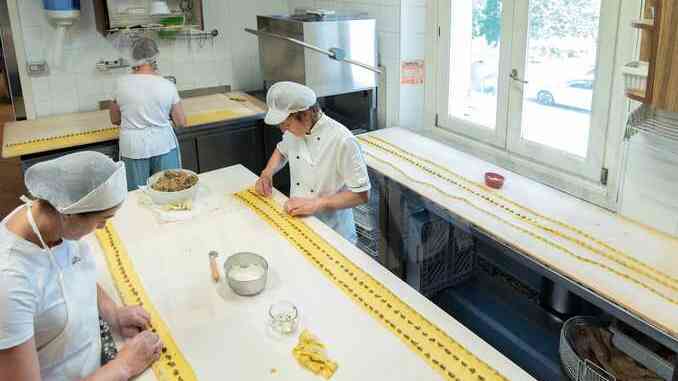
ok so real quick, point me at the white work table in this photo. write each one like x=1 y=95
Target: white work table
x=224 y=336
x=630 y=300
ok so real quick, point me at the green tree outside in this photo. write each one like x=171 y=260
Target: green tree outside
x=548 y=19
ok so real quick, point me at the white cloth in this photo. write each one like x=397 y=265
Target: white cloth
x=66 y=330
x=323 y=163
x=146 y=102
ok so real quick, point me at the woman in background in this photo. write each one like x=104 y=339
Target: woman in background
x=144 y=101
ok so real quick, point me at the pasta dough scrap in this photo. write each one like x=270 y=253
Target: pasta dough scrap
x=184 y=205
x=310 y=353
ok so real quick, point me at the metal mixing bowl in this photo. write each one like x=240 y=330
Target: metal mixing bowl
x=246 y=287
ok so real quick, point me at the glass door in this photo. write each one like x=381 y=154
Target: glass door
x=560 y=82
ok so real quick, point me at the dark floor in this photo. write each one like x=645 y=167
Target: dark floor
x=11 y=185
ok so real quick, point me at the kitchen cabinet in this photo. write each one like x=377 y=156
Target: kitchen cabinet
x=189 y=154
x=203 y=148
x=226 y=148
x=113 y=19
x=109 y=149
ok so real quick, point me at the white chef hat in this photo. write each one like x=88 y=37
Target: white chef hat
x=78 y=183
x=285 y=98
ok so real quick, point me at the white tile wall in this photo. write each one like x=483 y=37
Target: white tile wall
x=78 y=86
x=387 y=14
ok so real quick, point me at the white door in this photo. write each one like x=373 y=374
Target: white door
x=560 y=83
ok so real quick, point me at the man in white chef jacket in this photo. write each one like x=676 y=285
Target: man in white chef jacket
x=327 y=169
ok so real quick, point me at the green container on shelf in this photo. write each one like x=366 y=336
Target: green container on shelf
x=169 y=22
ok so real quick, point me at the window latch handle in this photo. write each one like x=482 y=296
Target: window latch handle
x=514 y=76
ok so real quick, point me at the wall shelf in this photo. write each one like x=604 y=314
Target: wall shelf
x=109 y=20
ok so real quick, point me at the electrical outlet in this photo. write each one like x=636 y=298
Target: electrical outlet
x=105 y=65
x=36 y=68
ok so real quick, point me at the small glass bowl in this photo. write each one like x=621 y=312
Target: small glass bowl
x=283 y=318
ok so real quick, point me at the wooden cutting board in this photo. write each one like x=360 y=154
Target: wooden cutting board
x=72 y=130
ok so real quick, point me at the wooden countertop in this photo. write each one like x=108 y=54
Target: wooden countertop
x=223 y=335
x=71 y=130
x=625 y=263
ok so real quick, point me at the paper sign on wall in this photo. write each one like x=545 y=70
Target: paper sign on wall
x=412 y=72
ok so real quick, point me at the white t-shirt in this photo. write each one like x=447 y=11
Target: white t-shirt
x=145 y=102
x=327 y=161
x=31 y=301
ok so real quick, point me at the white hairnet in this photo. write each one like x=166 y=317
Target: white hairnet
x=144 y=51
x=79 y=183
x=285 y=98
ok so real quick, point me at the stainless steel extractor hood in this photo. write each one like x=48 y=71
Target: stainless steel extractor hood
x=346 y=37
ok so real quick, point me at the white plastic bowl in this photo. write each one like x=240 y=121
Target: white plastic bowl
x=164 y=198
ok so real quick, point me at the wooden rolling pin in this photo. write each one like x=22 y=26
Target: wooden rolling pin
x=213 y=265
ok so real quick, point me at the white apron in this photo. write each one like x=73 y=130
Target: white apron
x=76 y=352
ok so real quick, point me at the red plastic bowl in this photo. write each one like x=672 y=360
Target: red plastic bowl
x=494 y=180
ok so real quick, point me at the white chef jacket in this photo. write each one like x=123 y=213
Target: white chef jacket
x=327 y=161
x=146 y=102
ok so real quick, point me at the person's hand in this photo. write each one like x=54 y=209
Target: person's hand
x=264 y=185
x=138 y=353
x=131 y=320
x=301 y=207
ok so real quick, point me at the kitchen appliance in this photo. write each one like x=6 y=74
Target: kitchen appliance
x=334 y=54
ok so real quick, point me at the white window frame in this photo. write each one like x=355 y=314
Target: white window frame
x=459 y=138
x=497 y=136
x=591 y=166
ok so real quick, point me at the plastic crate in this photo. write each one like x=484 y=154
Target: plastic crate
x=438 y=255
x=365 y=217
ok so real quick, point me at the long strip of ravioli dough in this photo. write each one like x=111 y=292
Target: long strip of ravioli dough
x=310 y=353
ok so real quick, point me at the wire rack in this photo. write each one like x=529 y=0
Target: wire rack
x=659 y=123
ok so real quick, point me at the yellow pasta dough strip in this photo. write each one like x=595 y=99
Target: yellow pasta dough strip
x=634 y=272
x=210 y=117
x=575 y=235
x=172 y=365
x=445 y=355
x=57 y=142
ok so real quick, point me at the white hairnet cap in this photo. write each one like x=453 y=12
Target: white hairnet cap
x=79 y=183
x=285 y=98
x=144 y=51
